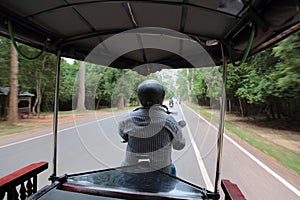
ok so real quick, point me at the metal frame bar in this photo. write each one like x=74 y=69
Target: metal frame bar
x=183 y=16
x=184 y=3
x=130 y=14
x=221 y=125
x=55 y=117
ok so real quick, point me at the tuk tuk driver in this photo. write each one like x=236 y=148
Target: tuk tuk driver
x=151 y=131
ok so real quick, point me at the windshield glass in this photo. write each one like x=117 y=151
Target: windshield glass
x=103 y=124
x=103 y=98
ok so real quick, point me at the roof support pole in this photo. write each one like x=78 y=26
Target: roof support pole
x=55 y=118
x=221 y=125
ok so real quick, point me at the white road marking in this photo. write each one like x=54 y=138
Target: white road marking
x=282 y=180
x=265 y=167
x=198 y=155
x=47 y=134
x=201 y=165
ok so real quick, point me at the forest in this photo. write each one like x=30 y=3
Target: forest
x=267 y=84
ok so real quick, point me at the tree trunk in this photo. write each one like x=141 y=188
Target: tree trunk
x=81 y=88
x=36 y=109
x=278 y=110
x=229 y=106
x=241 y=107
x=121 y=102
x=272 y=111
x=40 y=86
x=37 y=103
x=13 y=93
x=189 y=86
x=98 y=103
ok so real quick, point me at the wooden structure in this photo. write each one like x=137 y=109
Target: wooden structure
x=17 y=179
x=231 y=191
x=24 y=102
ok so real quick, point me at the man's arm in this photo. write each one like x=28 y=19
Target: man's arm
x=123 y=135
x=178 y=141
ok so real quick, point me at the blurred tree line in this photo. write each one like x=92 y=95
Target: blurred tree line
x=267 y=83
x=104 y=86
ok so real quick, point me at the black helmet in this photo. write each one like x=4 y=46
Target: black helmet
x=150 y=92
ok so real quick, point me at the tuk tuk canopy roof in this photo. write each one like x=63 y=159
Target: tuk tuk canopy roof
x=76 y=27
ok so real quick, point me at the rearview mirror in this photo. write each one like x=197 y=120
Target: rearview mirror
x=182 y=123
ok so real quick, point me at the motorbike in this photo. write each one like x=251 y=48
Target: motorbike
x=171 y=104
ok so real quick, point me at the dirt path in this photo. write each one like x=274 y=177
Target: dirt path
x=282 y=132
x=279 y=132
x=290 y=175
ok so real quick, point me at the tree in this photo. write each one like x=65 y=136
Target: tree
x=5 y=55
x=269 y=82
x=288 y=69
x=232 y=85
x=181 y=82
x=43 y=76
x=94 y=75
x=108 y=84
x=81 y=88
x=200 y=89
x=13 y=93
x=37 y=76
x=287 y=74
x=68 y=86
x=125 y=90
x=185 y=82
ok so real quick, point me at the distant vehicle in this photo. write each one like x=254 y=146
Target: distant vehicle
x=179 y=99
x=171 y=102
x=134 y=35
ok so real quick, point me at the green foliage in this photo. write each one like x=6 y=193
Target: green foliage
x=268 y=82
x=213 y=79
x=68 y=78
x=254 y=88
x=288 y=69
x=202 y=83
x=252 y=81
x=127 y=87
x=200 y=89
x=233 y=82
x=269 y=77
x=93 y=75
x=181 y=82
x=31 y=73
x=4 y=61
x=107 y=83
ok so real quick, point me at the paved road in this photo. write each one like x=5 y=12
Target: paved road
x=255 y=179
x=95 y=145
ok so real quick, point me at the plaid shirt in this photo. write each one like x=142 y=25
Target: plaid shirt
x=151 y=132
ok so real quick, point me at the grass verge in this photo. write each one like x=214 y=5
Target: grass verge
x=6 y=129
x=282 y=154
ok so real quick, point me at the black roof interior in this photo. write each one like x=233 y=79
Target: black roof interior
x=77 y=26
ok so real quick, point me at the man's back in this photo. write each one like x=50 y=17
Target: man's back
x=151 y=132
